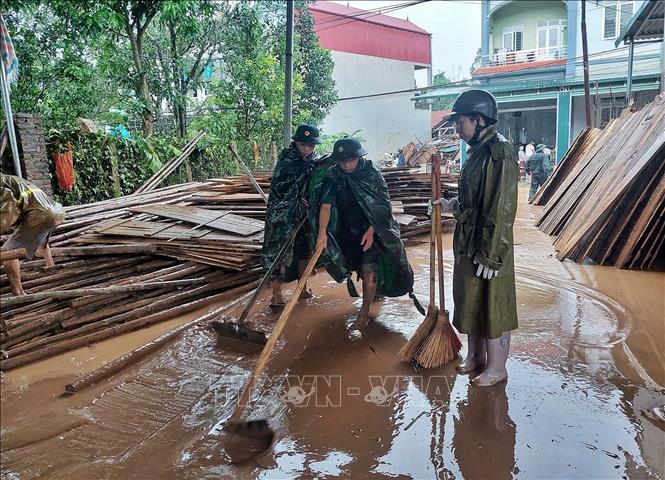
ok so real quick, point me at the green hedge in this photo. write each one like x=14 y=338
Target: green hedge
x=106 y=166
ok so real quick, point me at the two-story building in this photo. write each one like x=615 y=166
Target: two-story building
x=378 y=60
x=531 y=60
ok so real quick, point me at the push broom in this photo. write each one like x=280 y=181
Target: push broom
x=412 y=347
x=442 y=345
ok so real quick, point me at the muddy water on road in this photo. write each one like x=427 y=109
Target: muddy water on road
x=586 y=378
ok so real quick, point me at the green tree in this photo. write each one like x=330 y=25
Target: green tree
x=315 y=66
x=121 y=25
x=58 y=77
x=440 y=79
x=312 y=65
x=183 y=45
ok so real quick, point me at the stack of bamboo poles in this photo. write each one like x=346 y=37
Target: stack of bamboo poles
x=236 y=195
x=87 y=298
x=169 y=167
x=608 y=205
x=128 y=262
x=175 y=223
x=108 y=282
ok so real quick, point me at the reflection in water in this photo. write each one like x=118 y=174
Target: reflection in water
x=484 y=437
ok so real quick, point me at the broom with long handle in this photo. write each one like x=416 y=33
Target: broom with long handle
x=250 y=438
x=411 y=348
x=442 y=345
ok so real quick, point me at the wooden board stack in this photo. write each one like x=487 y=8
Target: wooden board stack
x=607 y=202
x=413 y=190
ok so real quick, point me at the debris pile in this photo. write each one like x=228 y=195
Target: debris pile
x=129 y=262
x=411 y=190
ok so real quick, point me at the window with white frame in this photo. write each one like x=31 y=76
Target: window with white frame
x=512 y=38
x=616 y=14
x=549 y=34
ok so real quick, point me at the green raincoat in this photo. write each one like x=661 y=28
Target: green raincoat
x=287 y=204
x=394 y=274
x=484 y=232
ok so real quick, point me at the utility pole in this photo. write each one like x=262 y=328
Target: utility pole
x=585 y=55
x=662 y=61
x=288 y=77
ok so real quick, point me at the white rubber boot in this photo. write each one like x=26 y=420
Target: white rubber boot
x=476 y=357
x=497 y=355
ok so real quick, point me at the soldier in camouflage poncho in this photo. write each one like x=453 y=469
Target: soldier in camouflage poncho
x=287 y=205
x=359 y=231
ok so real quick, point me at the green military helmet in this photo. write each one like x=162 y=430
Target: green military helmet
x=475 y=101
x=347 y=147
x=307 y=134
x=540 y=148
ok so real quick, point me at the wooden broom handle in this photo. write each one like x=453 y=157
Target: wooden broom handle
x=272 y=341
x=436 y=170
x=432 y=247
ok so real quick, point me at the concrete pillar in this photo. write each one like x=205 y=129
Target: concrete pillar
x=571 y=37
x=485 y=28
x=563 y=123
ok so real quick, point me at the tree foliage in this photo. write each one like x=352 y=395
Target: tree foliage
x=441 y=79
x=140 y=62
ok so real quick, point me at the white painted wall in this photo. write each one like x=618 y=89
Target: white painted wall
x=615 y=62
x=386 y=122
x=594 y=26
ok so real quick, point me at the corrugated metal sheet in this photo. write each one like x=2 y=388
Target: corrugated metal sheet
x=347 y=29
x=537 y=88
x=646 y=24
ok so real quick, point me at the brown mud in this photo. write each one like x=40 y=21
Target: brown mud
x=584 y=398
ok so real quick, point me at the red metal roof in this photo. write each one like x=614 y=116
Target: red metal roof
x=514 y=67
x=347 y=29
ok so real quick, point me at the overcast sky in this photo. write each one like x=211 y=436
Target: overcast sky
x=454 y=25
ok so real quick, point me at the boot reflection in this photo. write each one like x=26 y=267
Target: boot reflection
x=484 y=437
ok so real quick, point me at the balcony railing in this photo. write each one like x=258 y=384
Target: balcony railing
x=506 y=57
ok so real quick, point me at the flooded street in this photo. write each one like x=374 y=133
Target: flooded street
x=585 y=396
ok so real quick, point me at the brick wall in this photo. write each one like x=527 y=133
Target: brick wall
x=32 y=150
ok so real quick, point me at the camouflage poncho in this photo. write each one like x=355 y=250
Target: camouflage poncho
x=287 y=205
x=394 y=274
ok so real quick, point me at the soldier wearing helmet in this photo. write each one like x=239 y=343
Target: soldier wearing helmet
x=538 y=165
x=357 y=227
x=484 y=277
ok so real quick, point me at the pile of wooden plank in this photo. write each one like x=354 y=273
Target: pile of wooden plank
x=413 y=190
x=605 y=202
x=421 y=153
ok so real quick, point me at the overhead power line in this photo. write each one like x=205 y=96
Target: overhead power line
x=465 y=82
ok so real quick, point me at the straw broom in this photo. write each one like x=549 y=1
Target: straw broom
x=411 y=348
x=442 y=345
